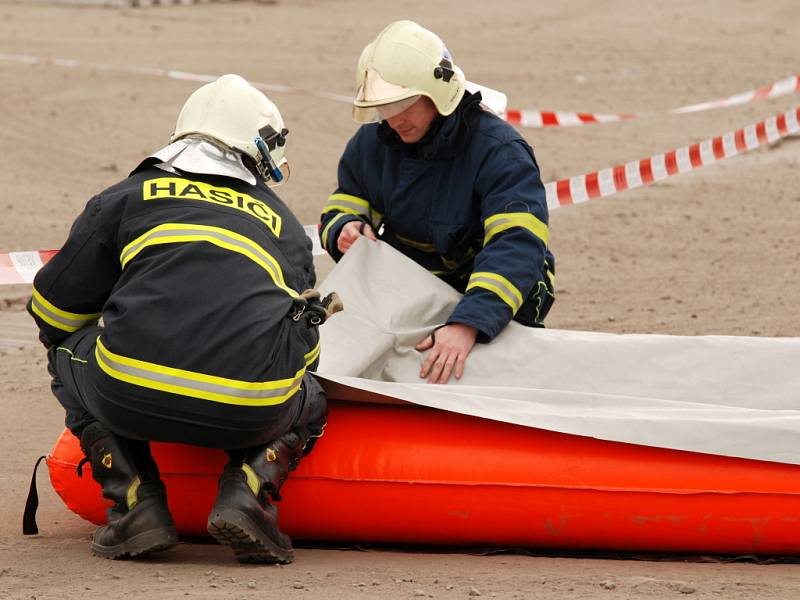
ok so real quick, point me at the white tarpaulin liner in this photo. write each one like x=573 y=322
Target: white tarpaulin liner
x=733 y=396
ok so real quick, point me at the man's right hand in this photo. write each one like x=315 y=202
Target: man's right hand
x=351 y=232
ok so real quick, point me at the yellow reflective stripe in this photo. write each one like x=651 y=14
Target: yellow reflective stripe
x=499 y=285
x=172 y=233
x=313 y=354
x=347 y=204
x=197 y=385
x=131 y=496
x=60 y=319
x=327 y=229
x=424 y=246
x=253 y=480
x=353 y=205
x=500 y=222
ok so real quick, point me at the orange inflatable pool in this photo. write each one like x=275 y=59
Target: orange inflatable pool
x=408 y=474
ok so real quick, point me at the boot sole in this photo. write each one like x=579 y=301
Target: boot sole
x=155 y=540
x=249 y=544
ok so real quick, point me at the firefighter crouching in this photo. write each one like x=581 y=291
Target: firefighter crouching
x=198 y=271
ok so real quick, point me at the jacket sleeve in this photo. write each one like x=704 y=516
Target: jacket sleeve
x=69 y=291
x=516 y=235
x=350 y=201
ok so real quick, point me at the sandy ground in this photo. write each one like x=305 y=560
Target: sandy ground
x=713 y=251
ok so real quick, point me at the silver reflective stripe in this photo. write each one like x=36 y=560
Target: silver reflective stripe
x=355 y=206
x=181 y=233
x=502 y=222
x=163 y=379
x=74 y=324
x=168 y=233
x=499 y=221
x=512 y=294
x=60 y=319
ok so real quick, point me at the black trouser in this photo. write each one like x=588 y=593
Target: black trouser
x=70 y=365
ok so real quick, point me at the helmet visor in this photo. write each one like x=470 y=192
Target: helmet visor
x=375 y=91
x=373 y=114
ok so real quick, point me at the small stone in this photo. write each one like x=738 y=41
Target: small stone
x=115 y=576
x=609 y=585
x=685 y=588
x=474 y=592
x=298 y=586
x=420 y=593
x=375 y=582
x=160 y=574
x=330 y=574
x=251 y=585
x=436 y=580
x=408 y=579
x=449 y=586
x=359 y=584
x=213 y=585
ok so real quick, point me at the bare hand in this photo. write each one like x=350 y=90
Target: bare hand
x=351 y=232
x=449 y=347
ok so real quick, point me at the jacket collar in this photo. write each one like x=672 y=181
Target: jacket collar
x=445 y=138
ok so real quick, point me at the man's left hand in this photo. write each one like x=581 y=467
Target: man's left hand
x=449 y=347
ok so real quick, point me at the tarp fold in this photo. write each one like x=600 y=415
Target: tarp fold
x=726 y=395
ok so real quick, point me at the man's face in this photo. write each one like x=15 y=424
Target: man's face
x=413 y=123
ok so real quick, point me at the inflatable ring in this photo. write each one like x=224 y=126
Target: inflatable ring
x=408 y=474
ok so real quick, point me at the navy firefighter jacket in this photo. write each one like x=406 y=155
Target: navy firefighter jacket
x=195 y=277
x=466 y=202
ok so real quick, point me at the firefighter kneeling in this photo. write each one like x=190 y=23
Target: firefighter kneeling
x=201 y=340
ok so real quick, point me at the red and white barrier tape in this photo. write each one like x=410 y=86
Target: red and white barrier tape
x=637 y=173
x=168 y=73
x=20 y=267
x=520 y=117
x=540 y=118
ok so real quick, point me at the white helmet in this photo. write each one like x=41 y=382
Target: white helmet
x=231 y=112
x=403 y=63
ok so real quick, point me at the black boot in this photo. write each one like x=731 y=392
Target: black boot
x=243 y=516
x=139 y=522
